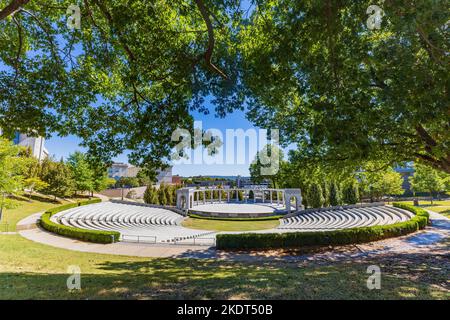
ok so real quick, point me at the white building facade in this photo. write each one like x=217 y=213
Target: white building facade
x=35 y=144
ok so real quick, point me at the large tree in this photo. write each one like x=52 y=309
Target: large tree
x=426 y=179
x=11 y=173
x=125 y=80
x=59 y=178
x=82 y=172
x=344 y=92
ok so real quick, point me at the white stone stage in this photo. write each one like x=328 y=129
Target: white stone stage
x=240 y=208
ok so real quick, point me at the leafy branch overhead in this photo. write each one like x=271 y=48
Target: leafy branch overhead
x=136 y=70
x=126 y=80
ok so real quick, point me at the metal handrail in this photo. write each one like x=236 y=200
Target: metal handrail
x=137 y=237
x=192 y=241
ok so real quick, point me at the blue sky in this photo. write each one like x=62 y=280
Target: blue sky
x=62 y=147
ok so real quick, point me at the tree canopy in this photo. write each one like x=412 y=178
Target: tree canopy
x=343 y=92
x=125 y=80
x=312 y=69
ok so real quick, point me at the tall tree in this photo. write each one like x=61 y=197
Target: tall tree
x=345 y=92
x=335 y=194
x=11 y=169
x=426 y=179
x=376 y=182
x=126 y=79
x=315 y=196
x=267 y=165
x=59 y=178
x=350 y=195
x=81 y=172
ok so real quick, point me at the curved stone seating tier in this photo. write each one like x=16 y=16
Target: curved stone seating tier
x=345 y=218
x=131 y=221
x=151 y=224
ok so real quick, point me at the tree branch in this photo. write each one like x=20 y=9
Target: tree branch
x=211 y=41
x=19 y=50
x=49 y=37
x=425 y=136
x=12 y=8
x=109 y=17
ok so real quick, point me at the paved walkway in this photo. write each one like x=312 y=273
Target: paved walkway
x=424 y=241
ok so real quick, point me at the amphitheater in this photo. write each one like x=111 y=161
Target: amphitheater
x=147 y=224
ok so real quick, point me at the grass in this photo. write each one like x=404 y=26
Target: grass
x=26 y=207
x=30 y=270
x=222 y=225
x=439 y=206
x=25 y=274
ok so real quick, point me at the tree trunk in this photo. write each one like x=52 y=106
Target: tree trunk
x=12 y=7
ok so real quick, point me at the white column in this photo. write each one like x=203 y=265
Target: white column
x=220 y=196
x=237 y=195
x=271 y=199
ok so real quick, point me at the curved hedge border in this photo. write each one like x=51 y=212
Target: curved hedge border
x=196 y=216
x=76 y=233
x=325 y=238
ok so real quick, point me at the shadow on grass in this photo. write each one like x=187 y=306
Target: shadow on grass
x=403 y=276
x=34 y=197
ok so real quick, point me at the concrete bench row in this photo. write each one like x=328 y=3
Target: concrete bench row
x=130 y=220
x=345 y=218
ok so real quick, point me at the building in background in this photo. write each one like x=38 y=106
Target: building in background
x=176 y=179
x=119 y=170
x=164 y=176
x=406 y=172
x=35 y=144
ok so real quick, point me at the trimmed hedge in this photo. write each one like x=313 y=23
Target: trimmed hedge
x=196 y=216
x=324 y=238
x=76 y=233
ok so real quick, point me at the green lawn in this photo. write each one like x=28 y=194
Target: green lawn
x=222 y=225
x=24 y=209
x=30 y=270
x=33 y=271
x=27 y=207
x=442 y=207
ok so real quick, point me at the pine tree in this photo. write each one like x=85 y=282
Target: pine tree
x=326 y=193
x=155 y=196
x=148 y=195
x=315 y=196
x=169 y=197
x=351 y=193
x=162 y=195
x=335 y=194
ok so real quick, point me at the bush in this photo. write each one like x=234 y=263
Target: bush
x=335 y=194
x=76 y=233
x=351 y=193
x=324 y=238
x=315 y=196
